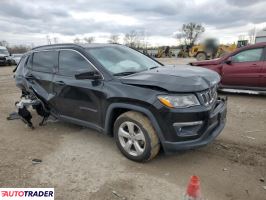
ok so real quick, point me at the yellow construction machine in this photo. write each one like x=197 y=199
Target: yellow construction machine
x=210 y=49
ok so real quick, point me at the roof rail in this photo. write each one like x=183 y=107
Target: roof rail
x=56 y=45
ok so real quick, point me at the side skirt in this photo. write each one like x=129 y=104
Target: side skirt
x=242 y=89
x=81 y=123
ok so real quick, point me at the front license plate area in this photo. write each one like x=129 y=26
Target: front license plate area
x=219 y=114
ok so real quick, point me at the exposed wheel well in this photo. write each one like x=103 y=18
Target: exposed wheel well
x=116 y=109
x=115 y=114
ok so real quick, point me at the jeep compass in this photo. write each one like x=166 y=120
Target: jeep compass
x=143 y=104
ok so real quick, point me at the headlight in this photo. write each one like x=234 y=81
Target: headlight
x=176 y=101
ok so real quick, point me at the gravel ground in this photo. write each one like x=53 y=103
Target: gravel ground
x=83 y=164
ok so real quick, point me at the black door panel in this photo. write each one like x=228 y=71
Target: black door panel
x=78 y=99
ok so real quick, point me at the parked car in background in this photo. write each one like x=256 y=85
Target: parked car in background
x=119 y=91
x=243 y=69
x=16 y=58
x=5 y=58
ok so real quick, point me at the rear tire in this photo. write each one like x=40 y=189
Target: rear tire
x=201 y=56
x=135 y=137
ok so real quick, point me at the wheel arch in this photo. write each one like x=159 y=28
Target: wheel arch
x=116 y=109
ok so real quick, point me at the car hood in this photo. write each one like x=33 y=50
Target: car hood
x=180 y=78
x=207 y=62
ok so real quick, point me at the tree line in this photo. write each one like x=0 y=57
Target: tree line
x=15 y=48
x=188 y=35
x=132 y=39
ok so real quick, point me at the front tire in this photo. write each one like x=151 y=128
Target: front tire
x=135 y=137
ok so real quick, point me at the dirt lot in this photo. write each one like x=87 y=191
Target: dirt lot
x=83 y=164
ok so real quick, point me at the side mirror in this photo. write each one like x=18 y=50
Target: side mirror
x=229 y=61
x=93 y=75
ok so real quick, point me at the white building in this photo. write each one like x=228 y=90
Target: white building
x=261 y=36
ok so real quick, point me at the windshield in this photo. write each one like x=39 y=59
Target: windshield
x=121 y=60
x=4 y=51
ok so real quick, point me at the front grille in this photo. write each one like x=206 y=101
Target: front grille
x=209 y=96
x=2 y=58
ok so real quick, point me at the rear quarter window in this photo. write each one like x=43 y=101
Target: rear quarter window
x=28 y=63
x=45 y=61
x=20 y=66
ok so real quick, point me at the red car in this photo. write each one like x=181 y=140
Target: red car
x=244 y=68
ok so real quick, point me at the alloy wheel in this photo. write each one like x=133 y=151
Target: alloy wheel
x=131 y=138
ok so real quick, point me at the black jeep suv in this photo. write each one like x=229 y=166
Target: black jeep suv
x=119 y=91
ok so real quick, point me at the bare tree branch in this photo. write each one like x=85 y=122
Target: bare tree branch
x=89 y=40
x=76 y=40
x=113 y=39
x=131 y=39
x=191 y=32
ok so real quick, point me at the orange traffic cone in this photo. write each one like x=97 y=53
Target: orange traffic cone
x=193 y=189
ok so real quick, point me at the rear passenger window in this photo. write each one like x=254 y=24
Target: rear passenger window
x=72 y=63
x=45 y=61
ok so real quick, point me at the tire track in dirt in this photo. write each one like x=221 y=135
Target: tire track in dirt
x=243 y=154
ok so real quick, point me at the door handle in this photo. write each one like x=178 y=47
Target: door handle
x=30 y=77
x=60 y=82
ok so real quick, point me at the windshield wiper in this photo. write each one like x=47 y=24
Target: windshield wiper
x=124 y=73
x=153 y=67
x=132 y=72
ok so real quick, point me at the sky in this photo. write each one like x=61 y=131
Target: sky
x=30 y=22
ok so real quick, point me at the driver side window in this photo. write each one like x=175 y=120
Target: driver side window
x=72 y=63
x=250 y=55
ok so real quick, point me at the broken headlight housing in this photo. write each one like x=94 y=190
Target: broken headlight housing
x=179 y=101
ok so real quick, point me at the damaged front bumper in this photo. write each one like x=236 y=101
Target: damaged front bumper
x=209 y=128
